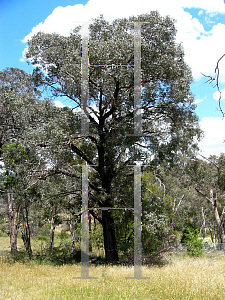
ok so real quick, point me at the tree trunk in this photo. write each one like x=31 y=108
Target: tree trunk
x=213 y=235
x=175 y=209
x=219 y=220
x=26 y=232
x=105 y=168
x=221 y=237
x=90 y=239
x=203 y=227
x=13 y=211
x=111 y=253
x=73 y=235
x=223 y=240
x=52 y=230
x=52 y=236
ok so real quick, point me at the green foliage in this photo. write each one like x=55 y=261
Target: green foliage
x=207 y=176
x=44 y=238
x=14 y=153
x=154 y=233
x=20 y=257
x=194 y=243
x=124 y=233
x=156 y=213
x=164 y=74
x=63 y=235
x=59 y=255
x=3 y=234
x=96 y=237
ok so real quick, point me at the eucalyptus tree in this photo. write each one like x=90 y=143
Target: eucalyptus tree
x=208 y=177
x=157 y=213
x=18 y=98
x=25 y=118
x=170 y=203
x=22 y=114
x=18 y=164
x=169 y=123
x=186 y=204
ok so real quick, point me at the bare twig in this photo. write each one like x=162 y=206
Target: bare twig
x=216 y=78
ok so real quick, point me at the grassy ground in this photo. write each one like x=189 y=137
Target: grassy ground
x=201 y=278
x=182 y=278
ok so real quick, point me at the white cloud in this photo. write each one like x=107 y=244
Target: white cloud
x=210 y=6
x=202 y=49
x=62 y=20
x=58 y=103
x=197 y=101
x=203 y=52
x=216 y=95
x=214 y=130
x=23 y=58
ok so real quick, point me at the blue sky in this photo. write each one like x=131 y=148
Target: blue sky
x=200 y=25
x=17 y=18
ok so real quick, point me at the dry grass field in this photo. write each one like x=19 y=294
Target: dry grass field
x=186 y=278
x=181 y=278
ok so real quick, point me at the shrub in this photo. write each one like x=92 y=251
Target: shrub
x=194 y=243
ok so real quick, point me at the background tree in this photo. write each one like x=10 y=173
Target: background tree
x=16 y=184
x=208 y=177
x=157 y=234
x=24 y=120
x=18 y=98
x=184 y=201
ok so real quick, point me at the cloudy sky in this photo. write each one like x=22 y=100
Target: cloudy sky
x=200 y=28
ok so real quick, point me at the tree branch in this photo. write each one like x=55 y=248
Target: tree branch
x=216 y=78
x=81 y=154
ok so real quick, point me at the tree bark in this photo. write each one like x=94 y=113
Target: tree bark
x=52 y=229
x=111 y=253
x=219 y=219
x=203 y=227
x=106 y=174
x=90 y=238
x=221 y=233
x=175 y=209
x=13 y=210
x=26 y=232
x=73 y=235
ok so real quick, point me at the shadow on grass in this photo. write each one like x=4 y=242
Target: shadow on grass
x=62 y=255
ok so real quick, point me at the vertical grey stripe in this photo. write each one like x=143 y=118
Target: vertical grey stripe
x=84 y=236
x=137 y=79
x=84 y=83
x=137 y=222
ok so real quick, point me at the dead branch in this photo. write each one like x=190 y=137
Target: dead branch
x=211 y=79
